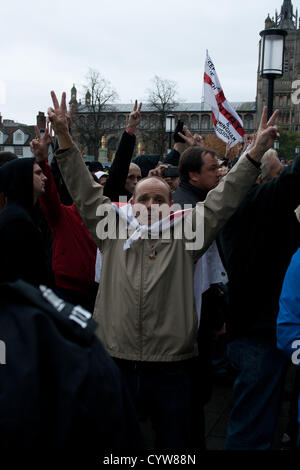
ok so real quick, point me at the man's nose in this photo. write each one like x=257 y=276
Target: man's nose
x=149 y=203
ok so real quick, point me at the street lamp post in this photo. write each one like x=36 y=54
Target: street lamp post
x=271 y=59
x=276 y=145
x=170 y=127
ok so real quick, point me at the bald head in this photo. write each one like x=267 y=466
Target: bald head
x=271 y=166
x=134 y=175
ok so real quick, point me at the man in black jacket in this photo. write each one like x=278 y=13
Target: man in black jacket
x=258 y=242
x=22 y=252
x=199 y=173
x=124 y=175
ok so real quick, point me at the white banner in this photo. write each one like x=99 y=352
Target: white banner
x=227 y=123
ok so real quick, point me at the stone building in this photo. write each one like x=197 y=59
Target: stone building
x=289 y=118
x=197 y=116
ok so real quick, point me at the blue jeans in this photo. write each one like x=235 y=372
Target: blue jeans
x=257 y=393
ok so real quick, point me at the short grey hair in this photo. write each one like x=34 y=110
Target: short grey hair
x=268 y=158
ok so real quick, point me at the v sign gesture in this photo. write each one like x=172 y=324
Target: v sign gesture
x=58 y=116
x=265 y=136
x=40 y=145
x=135 y=116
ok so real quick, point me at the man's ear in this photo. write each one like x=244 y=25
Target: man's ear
x=193 y=175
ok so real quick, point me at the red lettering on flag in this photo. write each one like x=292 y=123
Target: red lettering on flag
x=235 y=123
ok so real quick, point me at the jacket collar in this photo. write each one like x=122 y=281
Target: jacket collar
x=200 y=194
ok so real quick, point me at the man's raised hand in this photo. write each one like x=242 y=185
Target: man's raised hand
x=190 y=139
x=58 y=115
x=40 y=145
x=266 y=134
x=159 y=170
x=135 y=116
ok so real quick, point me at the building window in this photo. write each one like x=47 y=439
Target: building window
x=111 y=122
x=19 y=151
x=153 y=122
x=90 y=122
x=1 y=148
x=205 y=122
x=144 y=122
x=248 y=121
x=18 y=138
x=185 y=119
x=82 y=121
x=102 y=122
x=194 y=122
x=121 y=122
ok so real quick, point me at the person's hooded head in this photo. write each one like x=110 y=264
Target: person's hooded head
x=22 y=181
x=4 y=158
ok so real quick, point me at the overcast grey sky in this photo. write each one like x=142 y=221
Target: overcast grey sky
x=51 y=45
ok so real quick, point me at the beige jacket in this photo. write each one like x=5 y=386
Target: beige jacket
x=145 y=303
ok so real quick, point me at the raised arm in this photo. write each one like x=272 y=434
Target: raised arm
x=115 y=184
x=49 y=201
x=221 y=202
x=182 y=141
x=85 y=192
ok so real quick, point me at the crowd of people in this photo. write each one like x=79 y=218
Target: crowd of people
x=115 y=286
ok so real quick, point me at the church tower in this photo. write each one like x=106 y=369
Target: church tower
x=289 y=118
x=73 y=99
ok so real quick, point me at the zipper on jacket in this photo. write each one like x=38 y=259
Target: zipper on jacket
x=140 y=303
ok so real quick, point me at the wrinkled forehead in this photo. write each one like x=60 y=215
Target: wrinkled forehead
x=152 y=187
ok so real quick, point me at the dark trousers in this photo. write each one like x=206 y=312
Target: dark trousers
x=167 y=394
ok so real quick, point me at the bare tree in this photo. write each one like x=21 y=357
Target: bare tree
x=88 y=120
x=162 y=98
